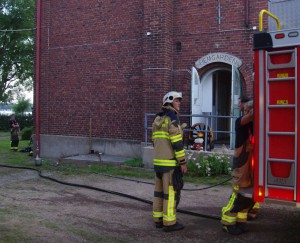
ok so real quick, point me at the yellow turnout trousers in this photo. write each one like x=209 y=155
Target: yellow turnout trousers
x=237 y=209
x=164 y=202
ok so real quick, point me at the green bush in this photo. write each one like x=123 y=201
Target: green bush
x=22 y=106
x=200 y=165
x=26 y=133
x=25 y=120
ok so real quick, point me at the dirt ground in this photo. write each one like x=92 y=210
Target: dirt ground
x=33 y=209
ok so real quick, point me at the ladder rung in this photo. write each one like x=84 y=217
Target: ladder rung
x=281 y=106
x=282 y=79
x=281 y=160
x=282 y=133
x=281 y=52
x=281 y=187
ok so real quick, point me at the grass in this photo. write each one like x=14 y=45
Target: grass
x=4 y=134
x=95 y=169
x=135 y=162
x=22 y=159
x=12 y=232
x=12 y=157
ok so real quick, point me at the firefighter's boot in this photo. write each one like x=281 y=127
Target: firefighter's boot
x=242 y=226
x=232 y=229
x=173 y=227
x=159 y=224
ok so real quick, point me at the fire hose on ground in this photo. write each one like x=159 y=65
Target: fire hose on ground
x=119 y=193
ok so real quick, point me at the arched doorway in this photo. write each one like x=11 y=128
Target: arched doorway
x=215 y=98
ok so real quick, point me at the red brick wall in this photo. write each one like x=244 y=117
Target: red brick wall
x=196 y=26
x=92 y=68
x=98 y=64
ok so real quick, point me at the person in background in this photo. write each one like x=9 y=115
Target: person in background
x=14 y=133
x=169 y=162
x=234 y=214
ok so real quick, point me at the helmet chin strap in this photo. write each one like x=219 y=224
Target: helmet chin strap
x=174 y=108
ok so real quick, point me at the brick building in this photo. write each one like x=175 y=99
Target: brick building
x=104 y=64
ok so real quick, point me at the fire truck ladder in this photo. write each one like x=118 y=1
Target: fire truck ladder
x=281 y=123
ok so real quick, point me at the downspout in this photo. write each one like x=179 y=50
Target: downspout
x=247 y=13
x=37 y=84
x=219 y=14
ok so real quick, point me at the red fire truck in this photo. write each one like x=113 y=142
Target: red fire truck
x=276 y=109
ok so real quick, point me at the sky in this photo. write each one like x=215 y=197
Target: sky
x=29 y=95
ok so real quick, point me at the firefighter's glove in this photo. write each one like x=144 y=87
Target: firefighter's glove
x=183 y=125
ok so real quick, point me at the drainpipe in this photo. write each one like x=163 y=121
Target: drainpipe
x=38 y=160
x=246 y=13
x=219 y=14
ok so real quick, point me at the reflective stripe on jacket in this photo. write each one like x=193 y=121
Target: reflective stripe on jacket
x=167 y=138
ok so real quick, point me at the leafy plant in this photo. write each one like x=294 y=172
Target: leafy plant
x=16 y=47
x=26 y=133
x=208 y=165
x=22 y=106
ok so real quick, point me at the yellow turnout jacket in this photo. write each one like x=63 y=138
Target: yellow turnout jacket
x=167 y=137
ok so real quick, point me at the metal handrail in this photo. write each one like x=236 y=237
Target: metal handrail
x=261 y=13
x=207 y=117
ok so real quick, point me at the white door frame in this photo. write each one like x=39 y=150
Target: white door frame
x=236 y=91
x=196 y=95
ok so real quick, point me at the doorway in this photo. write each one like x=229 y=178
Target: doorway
x=222 y=105
x=214 y=98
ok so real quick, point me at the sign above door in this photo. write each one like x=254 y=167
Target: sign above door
x=218 y=57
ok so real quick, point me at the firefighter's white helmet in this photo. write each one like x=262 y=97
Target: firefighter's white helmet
x=171 y=96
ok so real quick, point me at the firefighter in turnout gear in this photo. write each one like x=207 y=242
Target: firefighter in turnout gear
x=234 y=214
x=14 y=133
x=169 y=157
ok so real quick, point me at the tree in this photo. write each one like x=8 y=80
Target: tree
x=22 y=106
x=16 y=47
